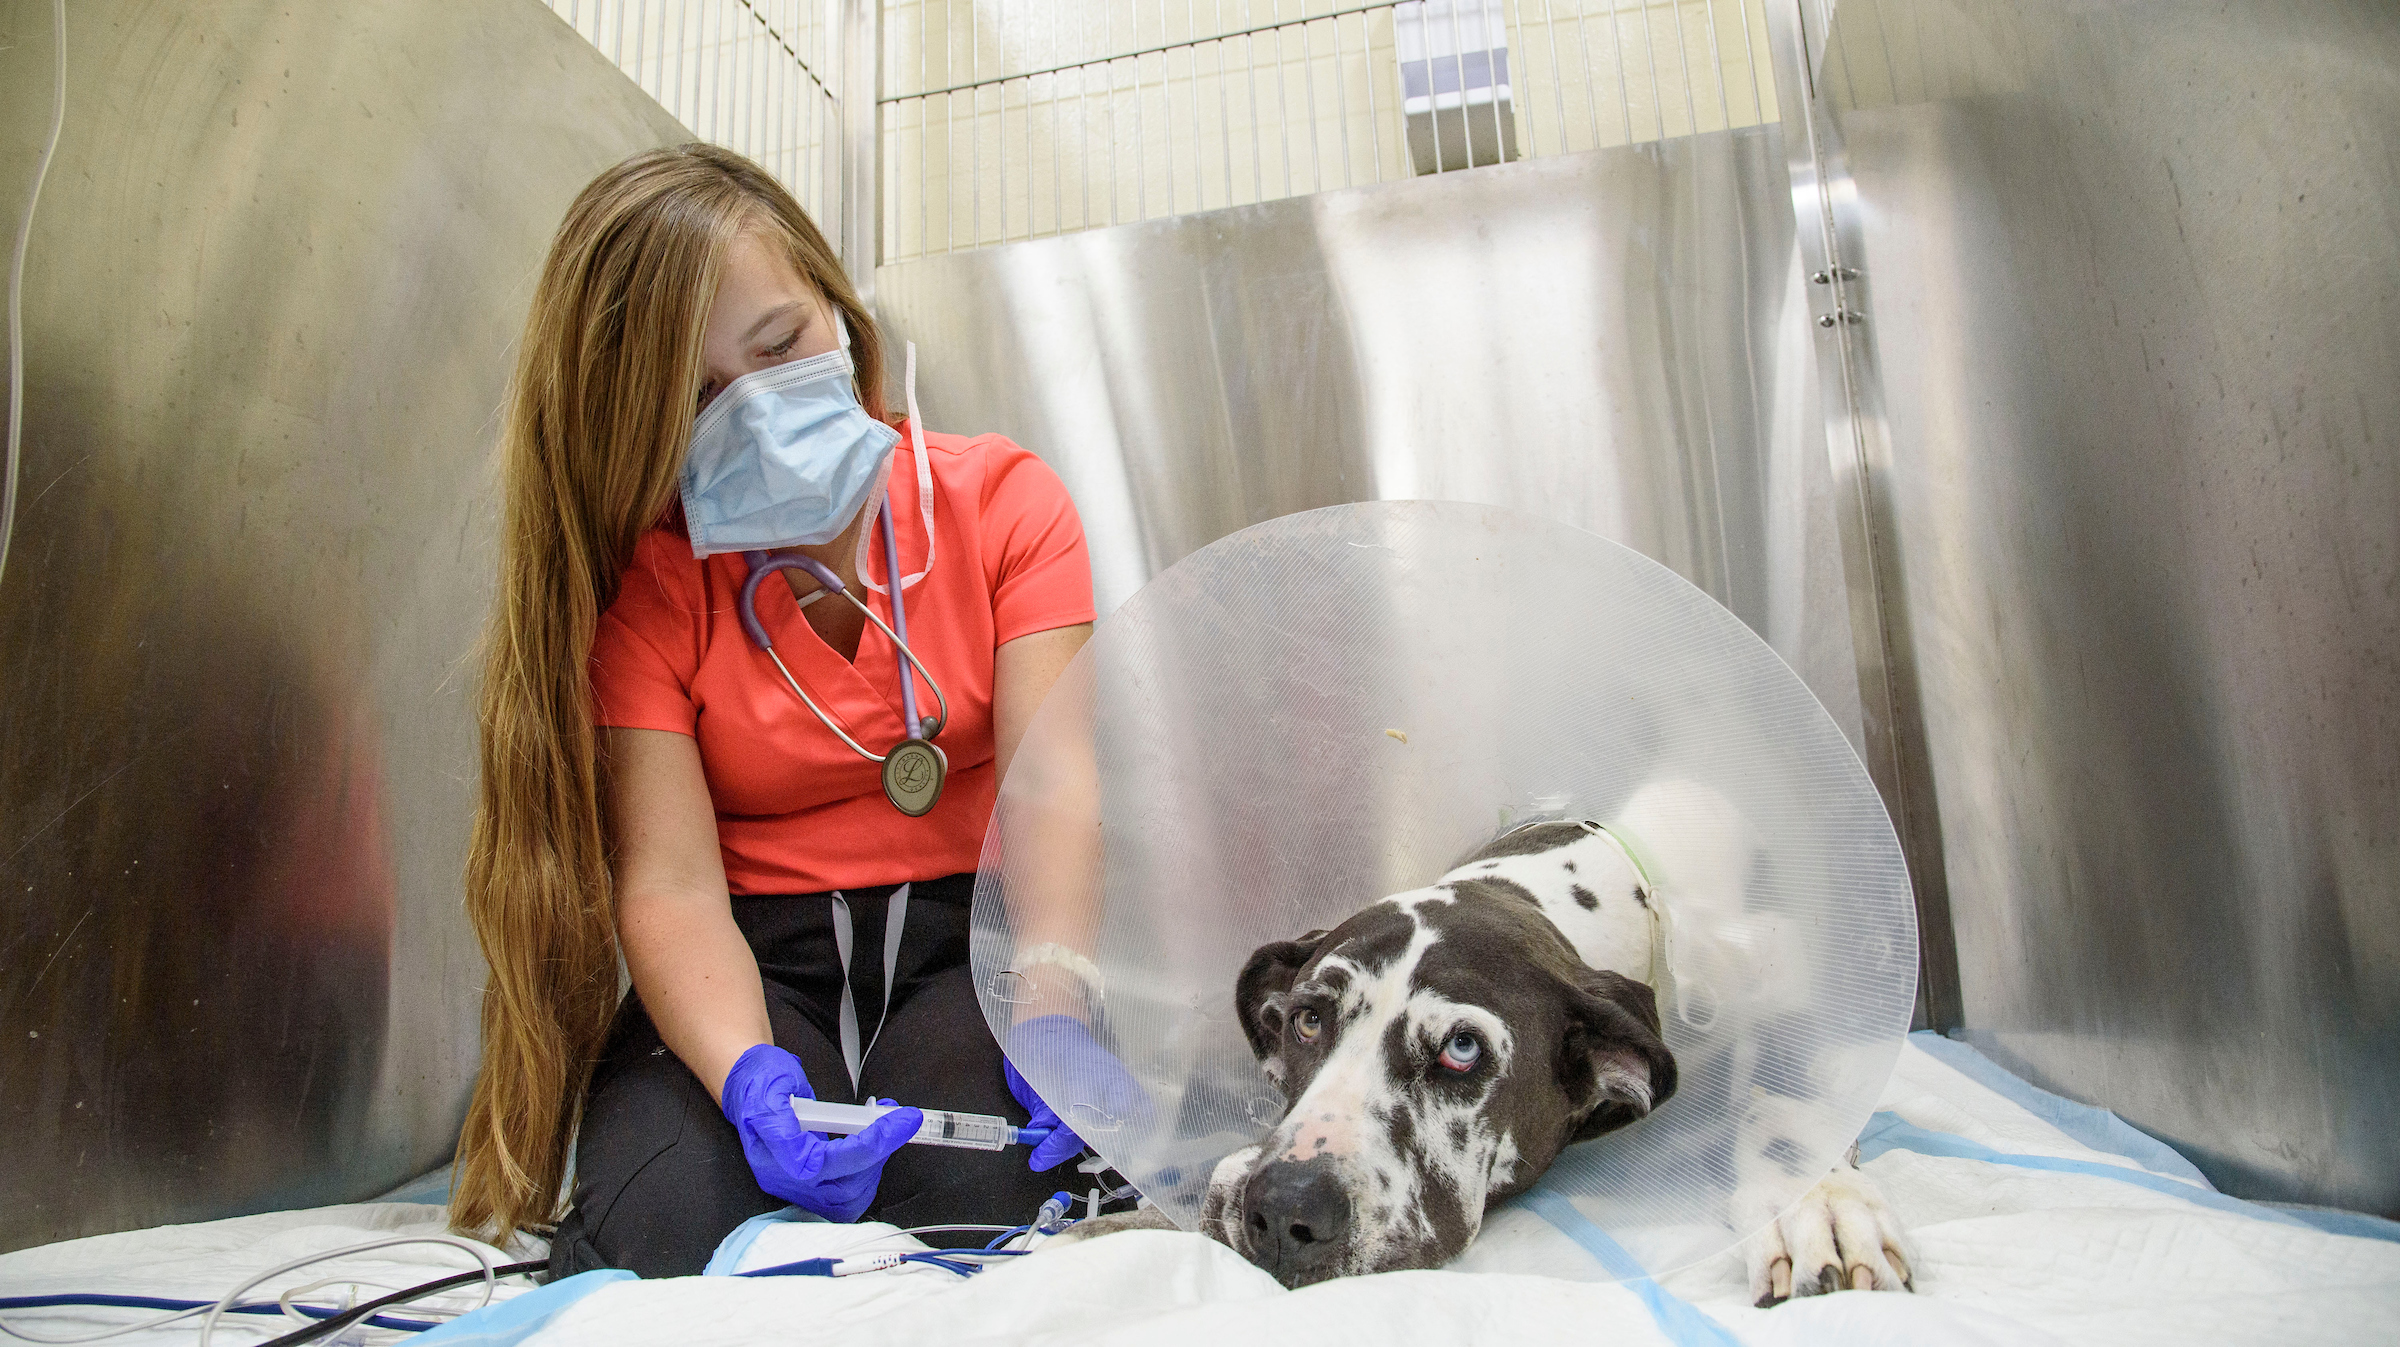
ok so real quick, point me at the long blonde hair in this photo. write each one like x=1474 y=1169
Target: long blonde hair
x=599 y=417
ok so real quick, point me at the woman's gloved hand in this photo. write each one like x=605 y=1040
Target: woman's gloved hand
x=834 y=1179
x=1094 y=1077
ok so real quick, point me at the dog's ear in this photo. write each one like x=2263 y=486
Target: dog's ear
x=1612 y=1062
x=1258 y=992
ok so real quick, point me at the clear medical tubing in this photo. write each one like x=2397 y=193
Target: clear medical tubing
x=1345 y=703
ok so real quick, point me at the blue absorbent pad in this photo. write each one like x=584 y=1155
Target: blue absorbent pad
x=2100 y=1130
x=2095 y=1127
x=732 y=1255
x=513 y=1321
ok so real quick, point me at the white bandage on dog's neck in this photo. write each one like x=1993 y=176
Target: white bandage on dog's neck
x=1641 y=873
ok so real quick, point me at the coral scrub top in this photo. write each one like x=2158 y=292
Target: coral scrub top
x=797 y=810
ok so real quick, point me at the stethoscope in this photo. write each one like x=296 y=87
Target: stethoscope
x=915 y=769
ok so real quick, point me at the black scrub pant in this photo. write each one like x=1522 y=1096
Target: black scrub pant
x=660 y=1177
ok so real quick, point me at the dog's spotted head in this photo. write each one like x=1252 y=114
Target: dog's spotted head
x=1439 y=1048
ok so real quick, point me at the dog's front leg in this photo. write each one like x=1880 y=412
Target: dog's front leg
x=1220 y=1211
x=1841 y=1237
x=1145 y=1218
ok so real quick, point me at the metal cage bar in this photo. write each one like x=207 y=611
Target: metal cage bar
x=757 y=76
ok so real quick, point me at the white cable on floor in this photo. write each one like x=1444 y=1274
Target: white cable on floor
x=234 y=1298
x=16 y=284
x=208 y=1324
x=172 y=1316
x=287 y=1302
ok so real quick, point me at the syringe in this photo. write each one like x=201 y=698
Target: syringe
x=969 y=1131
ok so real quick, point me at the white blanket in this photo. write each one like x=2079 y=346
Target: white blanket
x=2034 y=1222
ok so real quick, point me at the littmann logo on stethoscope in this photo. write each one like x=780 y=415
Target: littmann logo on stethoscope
x=913 y=775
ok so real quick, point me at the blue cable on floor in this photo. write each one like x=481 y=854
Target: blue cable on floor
x=949 y=1260
x=162 y=1303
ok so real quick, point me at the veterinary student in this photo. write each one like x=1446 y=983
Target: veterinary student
x=681 y=728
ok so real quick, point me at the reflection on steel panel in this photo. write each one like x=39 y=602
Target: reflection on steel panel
x=270 y=301
x=1891 y=709
x=2130 y=272
x=1617 y=340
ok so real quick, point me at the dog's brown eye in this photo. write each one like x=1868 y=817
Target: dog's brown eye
x=1462 y=1052
x=1307 y=1024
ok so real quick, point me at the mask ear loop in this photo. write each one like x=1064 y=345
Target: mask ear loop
x=916 y=446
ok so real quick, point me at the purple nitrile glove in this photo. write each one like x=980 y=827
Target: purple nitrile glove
x=834 y=1179
x=1104 y=1091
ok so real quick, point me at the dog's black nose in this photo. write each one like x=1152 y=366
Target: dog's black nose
x=1298 y=1219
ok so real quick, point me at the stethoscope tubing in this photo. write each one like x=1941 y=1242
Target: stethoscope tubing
x=891 y=572
x=763 y=565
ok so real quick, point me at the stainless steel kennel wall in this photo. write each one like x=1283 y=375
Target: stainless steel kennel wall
x=270 y=300
x=2119 y=288
x=1614 y=339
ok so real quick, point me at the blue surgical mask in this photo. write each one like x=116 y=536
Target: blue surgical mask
x=785 y=457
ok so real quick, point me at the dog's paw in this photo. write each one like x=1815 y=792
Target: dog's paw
x=1147 y=1218
x=1841 y=1237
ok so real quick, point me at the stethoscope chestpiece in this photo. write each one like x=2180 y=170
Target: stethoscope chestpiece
x=913 y=776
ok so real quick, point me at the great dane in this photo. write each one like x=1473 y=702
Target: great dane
x=1441 y=1046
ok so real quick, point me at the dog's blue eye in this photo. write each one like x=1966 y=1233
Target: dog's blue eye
x=1462 y=1051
